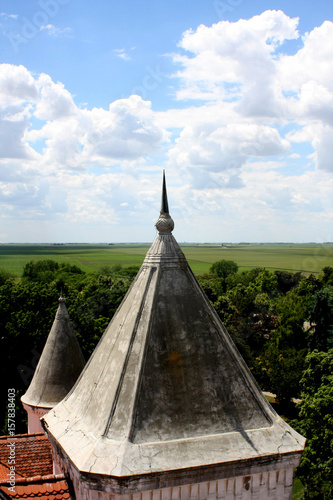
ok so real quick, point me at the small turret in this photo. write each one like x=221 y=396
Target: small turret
x=59 y=366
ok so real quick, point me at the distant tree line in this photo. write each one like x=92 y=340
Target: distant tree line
x=281 y=322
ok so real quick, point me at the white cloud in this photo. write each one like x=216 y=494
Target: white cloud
x=73 y=137
x=45 y=184
x=323 y=148
x=313 y=62
x=295 y=155
x=62 y=143
x=242 y=69
x=320 y=136
x=4 y=15
x=235 y=60
x=17 y=85
x=269 y=207
x=18 y=92
x=54 y=100
x=12 y=144
x=126 y=131
x=249 y=144
x=122 y=54
x=315 y=102
x=55 y=31
x=212 y=156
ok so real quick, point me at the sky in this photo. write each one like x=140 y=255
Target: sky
x=233 y=98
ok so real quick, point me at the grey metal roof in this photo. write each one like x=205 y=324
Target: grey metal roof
x=165 y=388
x=59 y=366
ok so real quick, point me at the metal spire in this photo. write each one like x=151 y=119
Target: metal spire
x=164 y=223
x=62 y=299
x=164 y=203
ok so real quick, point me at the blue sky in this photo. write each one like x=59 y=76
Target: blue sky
x=233 y=98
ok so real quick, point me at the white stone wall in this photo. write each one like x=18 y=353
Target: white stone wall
x=34 y=416
x=275 y=485
x=269 y=484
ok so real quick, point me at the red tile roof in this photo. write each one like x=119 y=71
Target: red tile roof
x=4 y=473
x=32 y=453
x=52 y=487
x=33 y=469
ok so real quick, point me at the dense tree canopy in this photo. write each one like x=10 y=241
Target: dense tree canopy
x=28 y=309
x=316 y=424
x=321 y=315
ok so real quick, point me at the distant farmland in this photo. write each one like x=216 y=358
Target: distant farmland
x=307 y=258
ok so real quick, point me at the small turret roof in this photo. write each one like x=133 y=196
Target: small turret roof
x=59 y=366
x=166 y=389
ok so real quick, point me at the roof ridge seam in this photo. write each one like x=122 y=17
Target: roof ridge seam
x=129 y=350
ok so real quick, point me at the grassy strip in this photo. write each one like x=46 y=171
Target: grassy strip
x=305 y=258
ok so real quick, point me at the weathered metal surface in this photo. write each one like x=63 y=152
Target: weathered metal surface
x=166 y=398
x=59 y=366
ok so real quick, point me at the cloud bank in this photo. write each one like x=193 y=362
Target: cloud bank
x=248 y=147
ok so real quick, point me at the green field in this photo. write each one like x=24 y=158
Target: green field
x=307 y=258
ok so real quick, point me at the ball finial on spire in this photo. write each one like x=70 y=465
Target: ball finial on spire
x=62 y=298
x=165 y=223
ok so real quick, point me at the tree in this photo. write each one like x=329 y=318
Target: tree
x=316 y=424
x=327 y=277
x=242 y=298
x=283 y=366
x=287 y=280
x=5 y=276
x=321 y=315
x=282 y=359
x=42 y=270
x=265 y=282
x=100 y=295
x=45 y=271
x=222 y=268
x=292 y=313
x=307 y=287
x=211 y=285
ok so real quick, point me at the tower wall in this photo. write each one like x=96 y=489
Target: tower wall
x=275 y=485
x=272 y=480
x=35 y=413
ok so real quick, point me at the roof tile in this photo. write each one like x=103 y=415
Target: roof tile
x=32 y=455
x=51 y=487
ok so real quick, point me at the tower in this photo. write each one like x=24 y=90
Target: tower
x=59 y=366
x=166 y=407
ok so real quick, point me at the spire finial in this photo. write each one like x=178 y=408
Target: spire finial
x=164 y=203
x=62 y=299
x=165 y=223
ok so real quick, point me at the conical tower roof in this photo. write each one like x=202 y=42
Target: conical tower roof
x=59 y=366
x=165 y=389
